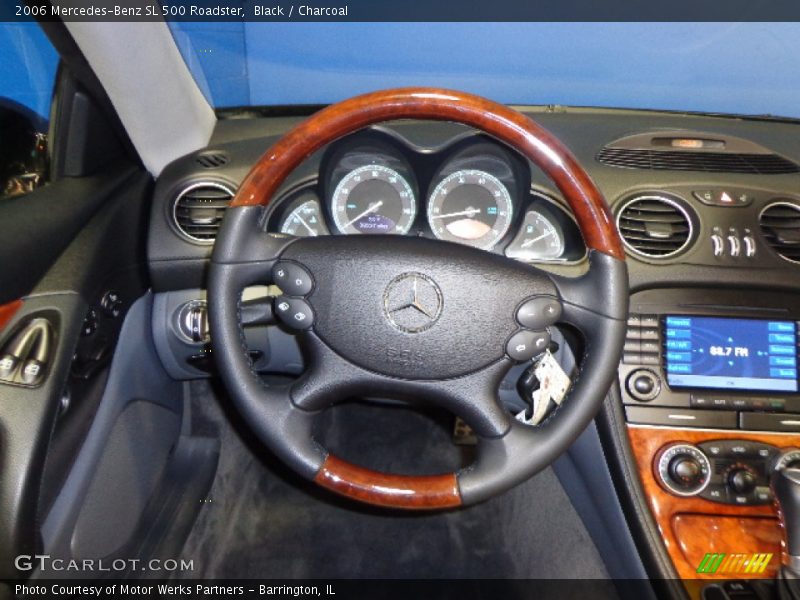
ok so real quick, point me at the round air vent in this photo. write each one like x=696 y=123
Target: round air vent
x=199 y=208
x=655 y=226
x=780 y=228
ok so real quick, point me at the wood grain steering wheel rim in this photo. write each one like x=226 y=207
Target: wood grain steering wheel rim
x=503 y=123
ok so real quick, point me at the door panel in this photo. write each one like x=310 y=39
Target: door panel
x=95 y=227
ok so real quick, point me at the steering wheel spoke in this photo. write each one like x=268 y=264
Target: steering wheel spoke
x=332 y=379
x=600 y=292
x=243 y=241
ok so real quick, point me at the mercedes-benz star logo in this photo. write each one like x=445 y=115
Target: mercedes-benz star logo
x=412 y=302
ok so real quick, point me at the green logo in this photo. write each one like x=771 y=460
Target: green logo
x=734 y=563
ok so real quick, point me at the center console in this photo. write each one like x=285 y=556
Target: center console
x=697 y=366
x=709 y=384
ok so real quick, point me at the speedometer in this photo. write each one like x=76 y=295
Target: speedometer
x=470 y=207
x=373 y=199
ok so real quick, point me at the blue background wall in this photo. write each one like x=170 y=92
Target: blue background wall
x=27 y=66
x=724 y=67
x=728 y=67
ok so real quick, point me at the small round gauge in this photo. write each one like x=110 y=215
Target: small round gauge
x=373 y=199
x=538 y=239
x=470 y=207
x=305 y=220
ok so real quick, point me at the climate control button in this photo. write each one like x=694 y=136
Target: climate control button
x=684 y=470
x=742 y=480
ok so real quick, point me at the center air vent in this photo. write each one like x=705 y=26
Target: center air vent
x=199 y=209
x=682 y=150
x=655 y=226
x=709 y=162
x=780 y=227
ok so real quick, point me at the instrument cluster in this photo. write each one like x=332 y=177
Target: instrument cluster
x=471 y=191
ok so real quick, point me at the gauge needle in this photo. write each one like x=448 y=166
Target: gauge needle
x=306 y=225
x=527 y=243
x=372 y=208
x=470 y=212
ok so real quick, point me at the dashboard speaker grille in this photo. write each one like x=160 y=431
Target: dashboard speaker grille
x=710 y=162
x=212 y=160
x=199 y=208
x=780 y=228
x=654 y=226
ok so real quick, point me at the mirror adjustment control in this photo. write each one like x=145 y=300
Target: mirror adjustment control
x=111 y=303
x=684 y=470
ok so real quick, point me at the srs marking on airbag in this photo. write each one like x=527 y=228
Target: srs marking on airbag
x=406 y=358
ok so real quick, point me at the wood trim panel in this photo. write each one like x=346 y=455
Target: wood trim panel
x=691 y=526
x=383 y=489
x=7 y=312
x=505 y=124
x=732 y=535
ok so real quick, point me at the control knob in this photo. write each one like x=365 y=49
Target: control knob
x=192 y=321
x=643 y=385
x=741 y=480
x=684 y=470
x=788 y=459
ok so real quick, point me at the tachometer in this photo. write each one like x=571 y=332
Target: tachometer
x=305 y=220
x=470 y=207
x=373 y=199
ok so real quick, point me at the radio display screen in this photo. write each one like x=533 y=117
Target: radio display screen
x=726 y=353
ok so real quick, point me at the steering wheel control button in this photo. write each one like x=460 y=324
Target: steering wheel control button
x=293 y=279
x=538 y=313
x=294 y=312
x=684 y=470
x=524 y=345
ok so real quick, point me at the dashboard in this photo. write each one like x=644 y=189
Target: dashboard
x=708 y=207
x=470 y=190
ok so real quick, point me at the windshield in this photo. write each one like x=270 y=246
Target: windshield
x=742 y=68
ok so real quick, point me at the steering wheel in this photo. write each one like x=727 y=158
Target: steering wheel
x=477 y=313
